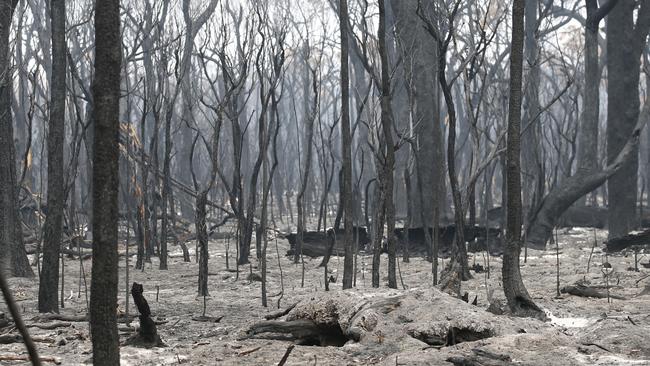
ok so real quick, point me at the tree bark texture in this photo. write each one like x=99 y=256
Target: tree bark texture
x=49 y=278
x=106 y=95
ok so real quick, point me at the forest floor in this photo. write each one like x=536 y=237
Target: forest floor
x=586 y=331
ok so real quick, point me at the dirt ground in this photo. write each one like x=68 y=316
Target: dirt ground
x=583 y=331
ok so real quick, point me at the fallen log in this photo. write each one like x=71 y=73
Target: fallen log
x=317 y=243
x=303 y=331
x=16 y=338
x=53 y=360
x=480 y=357
x=587 y=291
x=479 y=239
x=384 y=323
x=639 y=240
x=61 y=317
x=49 y=326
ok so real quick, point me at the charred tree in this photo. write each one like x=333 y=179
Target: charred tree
x=346 y=142
x=518 y=299
x=106 y=96
x=49 y=277
x=13 y=255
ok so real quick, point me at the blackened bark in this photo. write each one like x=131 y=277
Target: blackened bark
x=166 y=191
x=49 y=278
x=346 y=141
x=106 y=94
x=13 y=256
x=516 y=294
x=147 y=331
x=202 y=238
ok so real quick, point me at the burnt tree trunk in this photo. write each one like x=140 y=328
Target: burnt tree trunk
x=202 y=239
x=516 y=294
x=106 y=95
x=13 y=256
x=346 y=142
x=49 y=278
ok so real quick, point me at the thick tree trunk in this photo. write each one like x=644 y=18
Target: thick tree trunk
x=625 y=42
x=106 y=94
x=13 y=256
x=49 y=278
x=420 y=60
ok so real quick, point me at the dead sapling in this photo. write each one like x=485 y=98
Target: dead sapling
x=591 y=253
x=557 y=264
x=607 y=271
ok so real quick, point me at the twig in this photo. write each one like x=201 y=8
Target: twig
x=597 y=345
x=247 y=352
x=286 y=355
x=280 y=313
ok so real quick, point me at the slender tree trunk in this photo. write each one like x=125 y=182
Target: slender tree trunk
x=532 y=148
x=309 y=126
x=518 y=299
x=389 y=163
x=166 y=192
x=346 y=141
x=49 y=279
x=12 y=251
x=106 y=94
x=202 y=238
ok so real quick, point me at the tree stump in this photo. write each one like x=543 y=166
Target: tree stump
x=147 y=335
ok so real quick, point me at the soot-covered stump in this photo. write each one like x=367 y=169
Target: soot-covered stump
x=147 y=335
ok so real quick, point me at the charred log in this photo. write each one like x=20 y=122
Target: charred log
x=637 y=240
